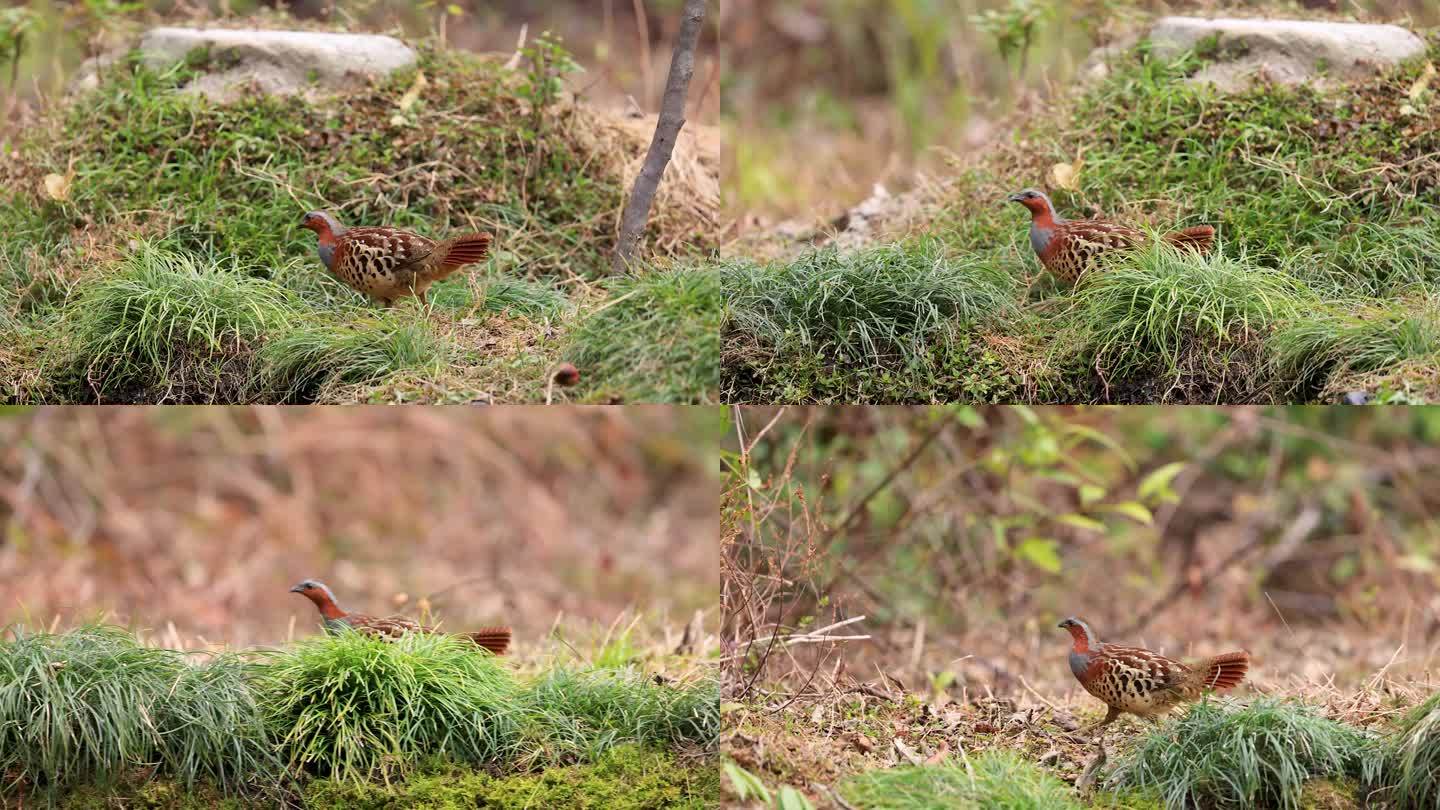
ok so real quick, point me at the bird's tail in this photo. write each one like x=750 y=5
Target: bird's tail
x=1223 y=671
x=494 y=639
x=1200 y=238
x=453 y=254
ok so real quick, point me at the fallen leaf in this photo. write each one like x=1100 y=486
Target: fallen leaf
x=906 y=751
x=57 y=186
x=1067 y=175
x=1418 y=88
x=413 y=94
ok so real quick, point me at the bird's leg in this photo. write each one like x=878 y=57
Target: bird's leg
x=1110 y=716
x=424 y=302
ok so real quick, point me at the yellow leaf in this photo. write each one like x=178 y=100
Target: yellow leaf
x=1066 y=176
x=413 y=94
x=1418 y=88
x=57 y=186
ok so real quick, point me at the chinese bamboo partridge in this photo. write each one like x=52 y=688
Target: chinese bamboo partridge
x=1068 y=247
x=494 y=639
x=1135 y=680
x=387 y=263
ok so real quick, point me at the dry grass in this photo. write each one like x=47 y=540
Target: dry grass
x=196 y=522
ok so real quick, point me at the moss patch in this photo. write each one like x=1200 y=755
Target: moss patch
x=627 y=778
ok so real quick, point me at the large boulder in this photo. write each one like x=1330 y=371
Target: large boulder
x=280 y=62
x=1286 y=51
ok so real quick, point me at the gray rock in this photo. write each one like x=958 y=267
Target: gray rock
x=278 y=62
x=1286 y=51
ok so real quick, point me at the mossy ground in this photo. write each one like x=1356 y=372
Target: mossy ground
x=214 y=193
x=1326 y=279
x=625 y=778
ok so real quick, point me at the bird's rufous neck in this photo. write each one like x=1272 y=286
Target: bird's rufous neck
x=326 y=604
x=1080 y=634
x=1041 y=216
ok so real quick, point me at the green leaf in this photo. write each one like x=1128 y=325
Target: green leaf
x=1131 y=509
x=1041 y=553
x=792 y=799
x=1156 y=485
x=1091 y=494
x=747 y=785
x=1086 y=432
x=1082 y=522
x=969 y=417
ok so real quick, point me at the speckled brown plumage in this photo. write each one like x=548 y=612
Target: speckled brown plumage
x=389 y=628
x=387 y=263
x=1140 y=682
x=1067 y=248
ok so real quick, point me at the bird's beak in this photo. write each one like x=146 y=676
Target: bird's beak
x=297 y=589
x=1013 y=198
x=1061 y=625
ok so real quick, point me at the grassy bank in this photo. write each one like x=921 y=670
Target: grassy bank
x=1326 y=280
x=1270 y=753
x=154 y=252
x=343 y=721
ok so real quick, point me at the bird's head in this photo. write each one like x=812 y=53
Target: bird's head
x=1080 y=633
x=323 y=223
x=1035 y=200
x=317 y=592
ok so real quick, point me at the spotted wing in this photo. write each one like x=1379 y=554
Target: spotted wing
x=389 y=628
x=1075 y=245
x=382 y=252
x=1141 y=676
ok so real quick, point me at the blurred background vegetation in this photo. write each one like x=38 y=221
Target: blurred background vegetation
x=1308 y=536
x=194 y=523
x=624 y=45
x=824 y=98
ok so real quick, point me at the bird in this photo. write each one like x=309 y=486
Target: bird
x=1143 y=683
x=1067 y=247
x=335 y=619
x=388 y=263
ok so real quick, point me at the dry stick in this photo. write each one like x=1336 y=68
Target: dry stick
x=667 y=130
x=1303 y=525
x=915 y=451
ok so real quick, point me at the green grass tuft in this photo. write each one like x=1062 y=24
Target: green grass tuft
x=580 y=714
x=527 y=298
x=1254 y=756
x=1358 y=337
x=655 y=339
x=1147 y=309
x=91 y=705
x=1413 y=771
x=867 y=308
x=301 y=363
x=990 y=781
x=352 y=707
x=169 y=326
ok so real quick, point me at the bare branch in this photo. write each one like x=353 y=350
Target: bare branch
x=667 y=131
